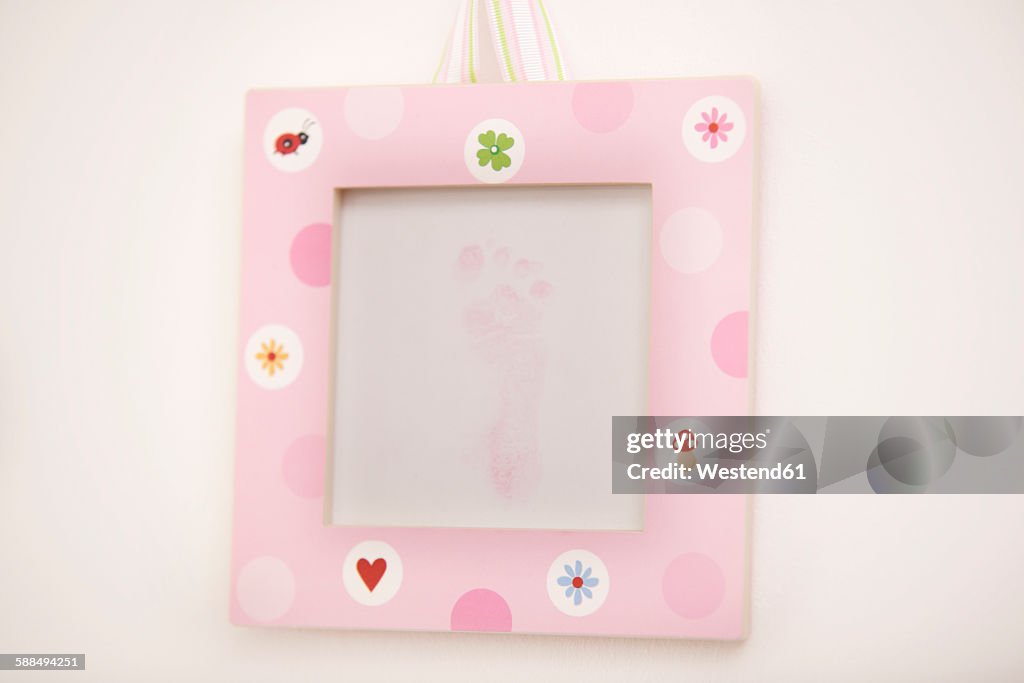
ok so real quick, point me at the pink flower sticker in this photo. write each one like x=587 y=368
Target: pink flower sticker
x=714 y=127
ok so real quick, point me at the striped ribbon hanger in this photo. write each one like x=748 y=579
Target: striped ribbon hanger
x=523 y=38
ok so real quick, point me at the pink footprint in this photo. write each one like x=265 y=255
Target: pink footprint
x=505 y=324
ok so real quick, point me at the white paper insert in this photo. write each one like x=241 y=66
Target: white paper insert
x=485 y=336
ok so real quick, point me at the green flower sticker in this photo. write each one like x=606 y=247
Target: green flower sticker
x=494 y=148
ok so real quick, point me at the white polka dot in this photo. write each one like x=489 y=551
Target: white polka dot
x=714 y=129
x=292 y=139
x=691 y=240
x=500 y=159
x=265 y=588
x=273 y=356
x=374 y=113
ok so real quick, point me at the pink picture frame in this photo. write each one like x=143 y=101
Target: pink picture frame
x=686 y=573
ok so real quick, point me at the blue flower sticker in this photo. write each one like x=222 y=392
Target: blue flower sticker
x=578 y=582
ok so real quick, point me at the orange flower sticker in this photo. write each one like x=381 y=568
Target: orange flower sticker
x=272 y=357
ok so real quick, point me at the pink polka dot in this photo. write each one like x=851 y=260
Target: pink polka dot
x=311 y=255
x=729 y=344
x=693 y=585
x=602 y=107
x=303 y=466
x=481 y=610
x=265 y=588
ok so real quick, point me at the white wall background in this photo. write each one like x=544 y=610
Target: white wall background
x=892 y=230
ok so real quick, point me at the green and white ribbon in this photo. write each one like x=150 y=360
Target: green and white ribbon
x=524 y=42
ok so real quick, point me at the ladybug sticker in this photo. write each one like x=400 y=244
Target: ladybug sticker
x=289 y=143
x=293 y=139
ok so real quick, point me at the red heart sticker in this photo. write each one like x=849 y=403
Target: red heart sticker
x=371 y=574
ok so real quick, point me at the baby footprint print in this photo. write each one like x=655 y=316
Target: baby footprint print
x=503 y=319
